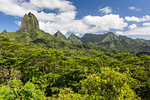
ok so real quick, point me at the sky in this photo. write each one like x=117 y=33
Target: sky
x=123 y=17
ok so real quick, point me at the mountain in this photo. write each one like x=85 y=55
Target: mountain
x=4 y=31
x=37 y=37
x=30 y=32
x=59 y=35
x=109 y=37
x=93 y=38
x=74 y=39
x=121 y=43
x=29 y=21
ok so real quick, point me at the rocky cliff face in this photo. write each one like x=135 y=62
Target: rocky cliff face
x=58 y=34
x=29 y=21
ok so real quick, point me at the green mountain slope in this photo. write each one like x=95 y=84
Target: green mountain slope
x=59 y=35
x=109 y=43
x=38 y=37
x=29 y=33
x=74 y=39
x=45 y=40
x=122 y=43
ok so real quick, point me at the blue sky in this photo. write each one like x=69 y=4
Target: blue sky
x=123 y=17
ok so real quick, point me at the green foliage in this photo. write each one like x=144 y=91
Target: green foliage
x=6 y=93
x=108 y=85
x=39 y=66
x=29 y=72
x=68 y=94
x=16 y=91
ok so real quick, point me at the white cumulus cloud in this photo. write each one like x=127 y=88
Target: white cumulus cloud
x=133 y=26
x=65 y=17
x=138 y=31
x=104 y=23
x=137 y=19
x=62 y=5
x=146 y=24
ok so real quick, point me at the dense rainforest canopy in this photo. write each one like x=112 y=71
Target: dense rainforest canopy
x=29 y=72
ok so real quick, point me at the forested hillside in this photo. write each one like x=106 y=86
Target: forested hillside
x=121 y=43
x=35 y=65
x=28 y=72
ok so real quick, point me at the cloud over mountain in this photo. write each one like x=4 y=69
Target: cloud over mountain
x=138 y=31
x=64 y=19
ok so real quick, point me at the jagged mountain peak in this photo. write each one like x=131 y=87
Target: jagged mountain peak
x=29 y=21
x=4 y=31
x=73 y=36
x=58 y=34
x=74 y=39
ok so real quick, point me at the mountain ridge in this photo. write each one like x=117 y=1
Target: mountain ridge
x=74 y=39
x=30 y=32
x=59 y=35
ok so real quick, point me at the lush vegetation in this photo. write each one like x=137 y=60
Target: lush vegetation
x=46 y=41
x=31 y=73
x=35 y=65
